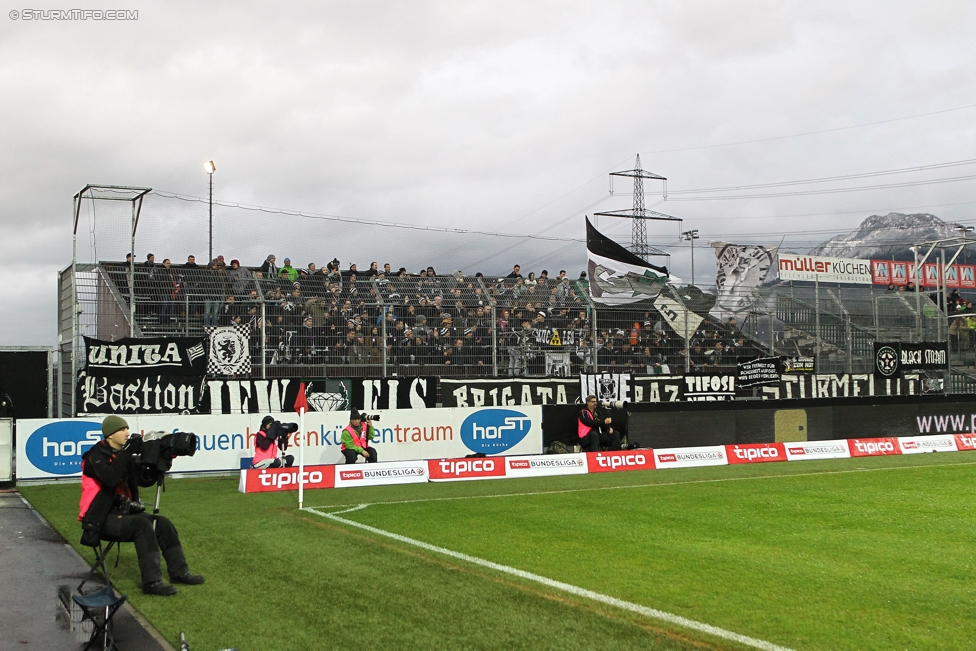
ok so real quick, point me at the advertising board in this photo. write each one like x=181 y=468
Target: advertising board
x=49 y=448
x=755 y=452
x=546 y=465
x=811 y=450
x=709 y=455
x=620 y=460
x=922 y=444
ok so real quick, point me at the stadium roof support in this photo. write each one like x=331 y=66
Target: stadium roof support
x=956 y=242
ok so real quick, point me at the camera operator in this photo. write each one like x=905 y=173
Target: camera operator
x=272 y=437
x=110 y=509
x=594 y=428
x=356 y=437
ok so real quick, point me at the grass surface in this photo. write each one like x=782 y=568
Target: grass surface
x=844 y=554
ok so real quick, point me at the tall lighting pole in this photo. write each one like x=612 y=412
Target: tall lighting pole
x=211 y=168
x=692 y=236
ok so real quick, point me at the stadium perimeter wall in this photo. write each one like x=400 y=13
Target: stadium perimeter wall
x=668 y=425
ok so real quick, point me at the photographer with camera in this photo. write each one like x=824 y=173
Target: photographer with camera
x=269 y=440
x=111 y=473
x=356 y=437
x=594 y=427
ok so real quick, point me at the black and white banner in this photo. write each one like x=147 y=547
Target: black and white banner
x=555 y=337
x=798 y=365
x=617 y=276
x=606 y=386
x=161 y=355
x=507 y=392
x=759 y=372
x=229 y=352
x=739 y=270
x=274 y=396
x=146 y=394
x=892 y=358
x=682 y=320
x=395 y=393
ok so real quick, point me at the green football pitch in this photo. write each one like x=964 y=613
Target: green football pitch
x=870 y=553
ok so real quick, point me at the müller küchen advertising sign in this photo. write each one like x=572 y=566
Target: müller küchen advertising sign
x=825 y=270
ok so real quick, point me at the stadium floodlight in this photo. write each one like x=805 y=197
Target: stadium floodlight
x=210 y=168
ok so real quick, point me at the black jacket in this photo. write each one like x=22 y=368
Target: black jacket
x=108 y=468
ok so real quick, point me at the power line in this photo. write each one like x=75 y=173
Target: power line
x=801 y=193
x=353 y=220
x=828 y=179
x=812 y=133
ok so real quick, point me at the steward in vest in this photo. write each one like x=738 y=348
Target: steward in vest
x=272 y=437
x=356 y=438
x=594 y=431
x=110 y=509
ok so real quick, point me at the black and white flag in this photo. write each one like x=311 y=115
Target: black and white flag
x=616 y=275
x=739 y=270
x=605 y=386
x=229 y=350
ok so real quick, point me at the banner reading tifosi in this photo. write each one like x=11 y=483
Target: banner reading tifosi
x=53 y=447
x=826 y=270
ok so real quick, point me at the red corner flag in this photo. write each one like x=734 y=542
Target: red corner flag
x=301 y=404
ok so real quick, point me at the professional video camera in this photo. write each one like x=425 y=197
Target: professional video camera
x=157 y=452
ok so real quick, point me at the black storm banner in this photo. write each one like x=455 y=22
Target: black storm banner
x=142 y=357
x=395 y=393
x=892 y=358
x=507 y=392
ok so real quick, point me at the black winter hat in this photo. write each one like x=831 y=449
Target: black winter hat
x=355 y=415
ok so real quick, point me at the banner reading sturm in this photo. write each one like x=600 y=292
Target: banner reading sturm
x=155 y=355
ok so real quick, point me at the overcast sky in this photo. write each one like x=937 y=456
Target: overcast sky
x=493 y=116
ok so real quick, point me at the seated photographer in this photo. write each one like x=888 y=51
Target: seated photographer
x=356 y=437
x=270 y=442
x=594 y=428
x=110 y=509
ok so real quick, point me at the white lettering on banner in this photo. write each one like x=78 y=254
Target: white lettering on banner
x=488 y=432
x=751 y=453
x=873 y=447
x=835 y=270
x=134 y=355
x=267 y=393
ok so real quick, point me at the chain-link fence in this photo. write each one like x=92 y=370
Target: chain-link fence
x=331 y=324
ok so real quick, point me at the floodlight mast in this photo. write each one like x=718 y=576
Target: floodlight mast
x=210 y=168
x=639 y=213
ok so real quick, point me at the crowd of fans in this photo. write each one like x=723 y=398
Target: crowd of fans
x=328 y=316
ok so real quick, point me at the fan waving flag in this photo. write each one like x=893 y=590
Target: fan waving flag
x=617 y=276
x=301 y=403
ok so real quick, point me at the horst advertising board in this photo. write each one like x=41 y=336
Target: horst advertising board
x=53 y=447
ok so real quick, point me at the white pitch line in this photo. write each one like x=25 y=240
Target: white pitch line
x=565 y=587
x=650 y=485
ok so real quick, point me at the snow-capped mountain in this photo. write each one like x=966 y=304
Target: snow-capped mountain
x=887 y=237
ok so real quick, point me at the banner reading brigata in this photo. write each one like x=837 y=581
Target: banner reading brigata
x=826 y=270
x=53 y=447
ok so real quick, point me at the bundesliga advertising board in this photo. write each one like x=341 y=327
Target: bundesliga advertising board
x=52 y=448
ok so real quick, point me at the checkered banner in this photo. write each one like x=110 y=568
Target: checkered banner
x=230 y=353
